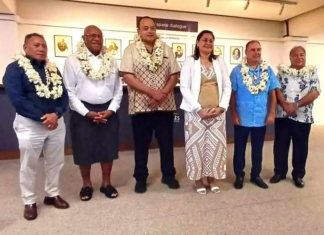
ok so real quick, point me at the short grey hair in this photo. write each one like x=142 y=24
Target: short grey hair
x=296 y=48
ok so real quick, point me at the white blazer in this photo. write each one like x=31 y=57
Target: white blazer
x=190 y=83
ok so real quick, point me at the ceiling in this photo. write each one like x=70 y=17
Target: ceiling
x=4 y=8
x=256 y=10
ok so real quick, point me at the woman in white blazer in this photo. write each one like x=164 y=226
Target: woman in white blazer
x=206 y=90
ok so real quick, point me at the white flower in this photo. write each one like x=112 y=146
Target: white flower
x=151 y=61
x=305 y=72
x=248 y=80
x=52 y=77
x=86 y=66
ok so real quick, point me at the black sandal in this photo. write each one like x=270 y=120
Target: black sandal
x=109 y=191
x=86 y=193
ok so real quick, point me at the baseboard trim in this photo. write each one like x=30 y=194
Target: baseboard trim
x=8 y=155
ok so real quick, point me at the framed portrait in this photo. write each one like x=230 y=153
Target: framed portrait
x=63 y=45
x=193 y=48
x=179 y=50
x=113 y=46
x=219 y=50
x=236 y=54
x=131 y=41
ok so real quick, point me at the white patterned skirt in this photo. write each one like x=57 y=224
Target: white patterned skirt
x=205 y=146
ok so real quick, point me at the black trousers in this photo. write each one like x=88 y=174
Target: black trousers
x=285 y=131
x=143 y=126
x=241 y=135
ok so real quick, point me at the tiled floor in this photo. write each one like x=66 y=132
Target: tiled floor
x=282 y=209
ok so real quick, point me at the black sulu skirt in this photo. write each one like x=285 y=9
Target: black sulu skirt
x=92 y=142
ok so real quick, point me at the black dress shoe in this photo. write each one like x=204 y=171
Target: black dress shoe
x=259 y=182
x=30 y=212
x=171 y=182
x=276 y=178
x=57 y=202
x=238 y=184
x=299 y=183
x=140 y=187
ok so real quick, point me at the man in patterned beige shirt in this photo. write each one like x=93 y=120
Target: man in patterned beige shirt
x=151 y=72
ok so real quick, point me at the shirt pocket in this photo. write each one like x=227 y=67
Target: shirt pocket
x=110 y=79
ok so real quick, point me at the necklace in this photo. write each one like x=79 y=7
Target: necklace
x=154 y=60
x=250 y=81
x=86 y=66
x=52 y=78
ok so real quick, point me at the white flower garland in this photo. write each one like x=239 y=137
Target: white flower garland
x=307 y=72
x=248 y=80
x=82 y=54
x=152 y=61
x=51 y=78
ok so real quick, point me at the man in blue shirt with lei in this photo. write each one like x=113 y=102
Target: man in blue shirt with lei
x=253 y=105
x=35 y=89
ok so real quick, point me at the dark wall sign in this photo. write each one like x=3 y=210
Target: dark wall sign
x=174 y=25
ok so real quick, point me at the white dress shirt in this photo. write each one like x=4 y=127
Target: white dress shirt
x=81 y=88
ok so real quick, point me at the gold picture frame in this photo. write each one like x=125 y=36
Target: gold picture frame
x=63 y=46
x=114 y=47
x=179 y=50
x=236 y=54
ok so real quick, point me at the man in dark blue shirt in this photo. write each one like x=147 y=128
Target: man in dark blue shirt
x=35 y=88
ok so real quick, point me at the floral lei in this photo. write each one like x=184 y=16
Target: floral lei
x=82 y=55
x=307 y=72
x=152 y=61
x=248 y=80
x=51 y=78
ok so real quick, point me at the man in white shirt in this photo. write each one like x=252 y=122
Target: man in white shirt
x=95 y=91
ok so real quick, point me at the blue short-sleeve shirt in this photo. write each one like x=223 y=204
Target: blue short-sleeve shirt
x=252 y=109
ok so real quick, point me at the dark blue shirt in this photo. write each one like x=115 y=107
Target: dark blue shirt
x=22 y=93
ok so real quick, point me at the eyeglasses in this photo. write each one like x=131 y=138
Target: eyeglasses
x=93 y=35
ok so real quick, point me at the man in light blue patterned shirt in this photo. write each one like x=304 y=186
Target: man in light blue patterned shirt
x=253 y=105
x=299 y=88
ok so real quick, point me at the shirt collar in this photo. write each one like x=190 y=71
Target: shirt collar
x=92 y=55
x=256 y=69
x=36 y=62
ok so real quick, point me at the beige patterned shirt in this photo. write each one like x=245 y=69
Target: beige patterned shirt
x=139 y=102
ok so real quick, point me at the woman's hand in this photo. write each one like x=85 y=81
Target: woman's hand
x=203 y=113
x=215 y=112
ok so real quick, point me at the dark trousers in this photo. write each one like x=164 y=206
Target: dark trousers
x=241 y=135
x=285 y=131
x=143 y=126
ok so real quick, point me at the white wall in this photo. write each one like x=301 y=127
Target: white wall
x=271 y=49
x=8 y=36
x=67 y=18
x=315 y=54
x=121 y=18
